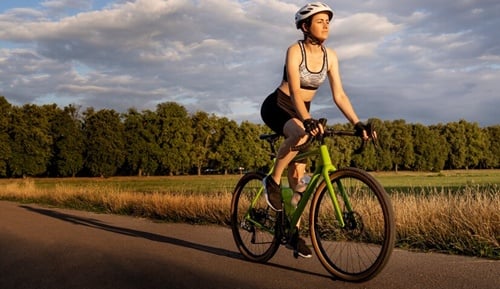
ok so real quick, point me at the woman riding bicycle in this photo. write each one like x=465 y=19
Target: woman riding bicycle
x=286 y=110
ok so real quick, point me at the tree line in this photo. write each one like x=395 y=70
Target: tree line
x=48 y=141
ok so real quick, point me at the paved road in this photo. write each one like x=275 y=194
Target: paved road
x=51 y=248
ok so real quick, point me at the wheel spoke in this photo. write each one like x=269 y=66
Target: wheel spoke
x=253 y=228
x=360 y=249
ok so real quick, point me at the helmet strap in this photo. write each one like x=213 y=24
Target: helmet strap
x=314 y=40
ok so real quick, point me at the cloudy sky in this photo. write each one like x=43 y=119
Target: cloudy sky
x=425 y=61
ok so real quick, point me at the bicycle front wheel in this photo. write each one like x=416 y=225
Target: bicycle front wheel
x=253 y=222
x=359 y=250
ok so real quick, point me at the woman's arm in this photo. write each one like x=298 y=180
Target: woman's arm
x=339 y=96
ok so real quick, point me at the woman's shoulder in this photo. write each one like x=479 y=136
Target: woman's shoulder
x=331 y=53
x=294 y=49
x=294 y=46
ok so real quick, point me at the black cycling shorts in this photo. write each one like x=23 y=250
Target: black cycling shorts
x=273 y=115
x=277 y=109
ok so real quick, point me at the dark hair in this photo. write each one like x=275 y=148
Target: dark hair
x=307 y=21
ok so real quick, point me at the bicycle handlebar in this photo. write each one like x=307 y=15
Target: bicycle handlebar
x=332 y=132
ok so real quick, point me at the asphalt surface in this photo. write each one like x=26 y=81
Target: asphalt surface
x=51 y=248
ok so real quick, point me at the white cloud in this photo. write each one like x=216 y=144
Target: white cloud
x=406 y=59
x=360 y=34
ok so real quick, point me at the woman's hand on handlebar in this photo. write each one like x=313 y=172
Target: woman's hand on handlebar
x=365 y=131
x=313 y=126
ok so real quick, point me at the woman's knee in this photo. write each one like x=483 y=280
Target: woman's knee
x=294 y=130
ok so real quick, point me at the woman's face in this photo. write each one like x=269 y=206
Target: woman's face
x=320 y=25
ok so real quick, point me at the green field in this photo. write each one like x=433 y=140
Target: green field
x=444 y=178
x=403 y=181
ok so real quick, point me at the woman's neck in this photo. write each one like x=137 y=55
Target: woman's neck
x=313 y=42
x=312 y=45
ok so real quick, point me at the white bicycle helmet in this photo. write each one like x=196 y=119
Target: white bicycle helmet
x=309 y=10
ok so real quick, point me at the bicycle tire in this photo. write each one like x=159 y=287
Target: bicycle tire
x=360 y=250
x=254 y=238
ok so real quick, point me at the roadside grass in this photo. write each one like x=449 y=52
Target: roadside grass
x=456 y=212
x=464 y=221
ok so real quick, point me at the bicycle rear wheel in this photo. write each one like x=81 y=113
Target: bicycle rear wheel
x=253 y=222
x=358 y=251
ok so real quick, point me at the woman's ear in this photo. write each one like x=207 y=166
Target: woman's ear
x=304 y=27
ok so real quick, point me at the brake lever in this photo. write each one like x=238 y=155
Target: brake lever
x=321 y=136
x=361 y=147
x=370 y=130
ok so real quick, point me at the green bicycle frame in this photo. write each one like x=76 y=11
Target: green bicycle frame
x=322 y=171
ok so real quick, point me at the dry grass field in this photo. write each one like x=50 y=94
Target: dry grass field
x=456 y=212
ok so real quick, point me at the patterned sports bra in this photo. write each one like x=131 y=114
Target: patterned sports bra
x=308 y=79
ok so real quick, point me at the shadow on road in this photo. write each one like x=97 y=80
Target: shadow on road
x=96 y=224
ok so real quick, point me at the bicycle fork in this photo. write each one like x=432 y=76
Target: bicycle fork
x=328 y=168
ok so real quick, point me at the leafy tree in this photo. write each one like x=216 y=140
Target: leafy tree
x=5 y=151
x=494 y=146
x=456 y=138
x=204 y=128
x=46 y=140
x=227 y=145
x=476 y=144
x=252 y=153
x=174 y=137
x=399 y=143
x=68 y=146
x=31 y=141
x=105 y=148
x=430 y=148
x=140 y=142
x=438 y=142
